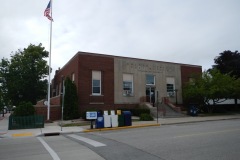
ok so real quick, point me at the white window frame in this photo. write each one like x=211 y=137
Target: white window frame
x=170 y=81
x=128 y=78
x=97 y=75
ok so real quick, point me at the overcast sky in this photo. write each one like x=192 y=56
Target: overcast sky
x=181 y=31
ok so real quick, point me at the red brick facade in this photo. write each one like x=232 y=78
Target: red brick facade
x=82 y=65
x=55 y=111
x=87 y=64
x=188 y=72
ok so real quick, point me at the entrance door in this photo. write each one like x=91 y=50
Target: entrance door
x=150 y=95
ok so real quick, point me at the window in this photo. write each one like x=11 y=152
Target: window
x=73 y=77
x=127 y=84
x=170 y=86
x=96 y=82
x=150 y=80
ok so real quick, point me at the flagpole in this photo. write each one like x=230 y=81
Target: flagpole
x=49 y=67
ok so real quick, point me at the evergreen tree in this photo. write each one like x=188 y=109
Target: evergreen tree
x=70 y=110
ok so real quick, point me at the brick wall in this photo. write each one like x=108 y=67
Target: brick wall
x=88 y=63
x=55 y=112
x=188 y=72
x=53 y=101
x=82 y=65
x=68 y=69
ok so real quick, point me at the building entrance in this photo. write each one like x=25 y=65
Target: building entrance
x=150 y=95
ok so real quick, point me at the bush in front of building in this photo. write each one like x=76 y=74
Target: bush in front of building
x=24 y=109
x=146 y=117
x=70 y=100
x=139 y=111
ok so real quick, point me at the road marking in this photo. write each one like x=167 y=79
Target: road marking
x=49 y=149
x=87 y=140
x=206 y=133
x=22 y=134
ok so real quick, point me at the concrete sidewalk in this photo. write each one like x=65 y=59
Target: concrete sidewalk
x=54 y=128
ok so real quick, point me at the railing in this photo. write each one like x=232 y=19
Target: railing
x=167 y=102
x=25 y=122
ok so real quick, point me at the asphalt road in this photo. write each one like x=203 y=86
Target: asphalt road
x=218 y=140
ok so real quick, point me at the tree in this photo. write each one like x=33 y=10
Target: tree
x=4 y=100
x=228 y=63
x=70 y=100
x=26 y=72
x=211 y=87
x=24 y=109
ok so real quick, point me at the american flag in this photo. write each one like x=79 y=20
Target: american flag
x=48 y=11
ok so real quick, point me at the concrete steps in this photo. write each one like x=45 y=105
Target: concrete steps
x=164 y=111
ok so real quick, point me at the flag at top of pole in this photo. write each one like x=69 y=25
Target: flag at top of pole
x=48 y=11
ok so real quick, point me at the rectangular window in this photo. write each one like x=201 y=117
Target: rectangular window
x=73 y=77
x=150 y=80
x=127 y=84
x=96 y=82
x=170 y=86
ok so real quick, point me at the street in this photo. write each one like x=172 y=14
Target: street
x=198 y=141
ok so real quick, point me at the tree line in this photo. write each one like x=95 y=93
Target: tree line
x=217 y=84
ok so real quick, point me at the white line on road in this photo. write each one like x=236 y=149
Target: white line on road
x=86 y=140
x=49 y=149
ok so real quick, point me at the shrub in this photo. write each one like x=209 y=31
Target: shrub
x=24 y=109
x=139 y=111
x=146 y=117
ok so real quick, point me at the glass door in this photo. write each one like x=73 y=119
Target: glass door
x=150 y=94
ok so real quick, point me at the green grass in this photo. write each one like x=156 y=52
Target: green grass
x=76 y=124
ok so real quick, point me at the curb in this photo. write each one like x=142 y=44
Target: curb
x=119 y=128
x=221 y=119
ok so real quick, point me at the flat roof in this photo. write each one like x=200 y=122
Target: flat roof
x=106 y=55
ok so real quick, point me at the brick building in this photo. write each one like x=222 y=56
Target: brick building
x=111 y=82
